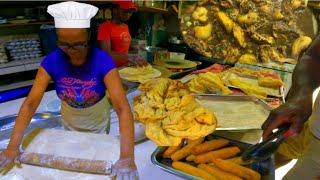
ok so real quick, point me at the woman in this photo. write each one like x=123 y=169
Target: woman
x=114 y=35
x=81 y=76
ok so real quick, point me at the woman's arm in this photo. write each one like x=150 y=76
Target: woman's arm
x=122 y=108
x=27 y=110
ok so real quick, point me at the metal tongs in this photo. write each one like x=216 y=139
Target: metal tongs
x=264 y=150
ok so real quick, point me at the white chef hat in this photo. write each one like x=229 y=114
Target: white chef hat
x=72 y=14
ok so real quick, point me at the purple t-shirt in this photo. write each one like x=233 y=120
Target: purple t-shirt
x=79 y=86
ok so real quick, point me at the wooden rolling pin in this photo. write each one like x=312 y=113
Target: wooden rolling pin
x=67 y=163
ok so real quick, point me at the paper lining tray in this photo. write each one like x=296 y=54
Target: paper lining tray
x=236 y=112
x=265 y=168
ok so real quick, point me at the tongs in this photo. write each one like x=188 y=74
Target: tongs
x=264 y=150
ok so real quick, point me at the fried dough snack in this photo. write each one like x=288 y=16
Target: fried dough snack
x=233 y=168
x=209 y=146
x=208 y=83
x=186 y=151
x=170 y=150
x=171 y=112
x=218 y=173
x=270 y=82
x=184 y=167
x=224 y=153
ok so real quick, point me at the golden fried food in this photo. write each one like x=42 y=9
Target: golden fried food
x=139 y=73
x=200 y=14
x=239 y=35
x=208 y=83
x=248 y=59
x=300 y=44
x=224 y=153
x=191 y=157
x=171 y=149
x=155 y=132
x=186 y=150
x=203 y=32
x=225 y=21
x=236 y=169
x=249 y=88
x=218 y=173
x=277 y=15
x=194 y=171
x=238 y=160
x=209 y=146
x=169 y=107
x=248 y=19
x=195 y=131
x=270 y=82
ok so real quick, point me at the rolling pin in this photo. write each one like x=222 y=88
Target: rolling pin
x=67 y=163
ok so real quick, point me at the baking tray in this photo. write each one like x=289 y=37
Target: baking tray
x=236 y=112
x=265 y=168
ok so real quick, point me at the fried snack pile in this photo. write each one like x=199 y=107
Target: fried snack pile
x=208 y=83
x=212 y=159
x=258 y=83
x=171 y=113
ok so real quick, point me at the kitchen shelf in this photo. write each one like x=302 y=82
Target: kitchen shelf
x=25 y=24
x=16 y=85
x=153 y=10
x=20 y=66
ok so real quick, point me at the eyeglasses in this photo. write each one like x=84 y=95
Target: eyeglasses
x=65 y=46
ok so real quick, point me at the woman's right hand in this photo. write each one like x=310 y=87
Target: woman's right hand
x=7 y=157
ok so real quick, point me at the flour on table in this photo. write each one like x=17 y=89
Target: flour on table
x=68 y=144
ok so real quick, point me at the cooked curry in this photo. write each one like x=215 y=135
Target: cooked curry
x=249 y=31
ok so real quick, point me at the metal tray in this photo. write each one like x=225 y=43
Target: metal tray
x=42 y=120
x=233 y=114
x=265 y=168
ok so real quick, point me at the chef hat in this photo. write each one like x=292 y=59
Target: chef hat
x=72 y=14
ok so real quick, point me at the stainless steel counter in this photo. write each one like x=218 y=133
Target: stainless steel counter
x=50 y=101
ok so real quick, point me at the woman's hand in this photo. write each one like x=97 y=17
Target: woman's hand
x=7 y=157
x=125 y=168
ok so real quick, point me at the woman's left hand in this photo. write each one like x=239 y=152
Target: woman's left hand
x=125 y=168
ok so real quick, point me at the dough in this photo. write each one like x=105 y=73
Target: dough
x=68 y=144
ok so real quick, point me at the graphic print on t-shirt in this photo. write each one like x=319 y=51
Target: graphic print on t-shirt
x=125 y=37
x=77 y=92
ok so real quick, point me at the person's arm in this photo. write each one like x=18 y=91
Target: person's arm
x=122 y=108
x=298 y=108
x=118 y=57
x=27 y=110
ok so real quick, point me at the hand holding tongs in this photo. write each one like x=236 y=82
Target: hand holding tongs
x=264 y=150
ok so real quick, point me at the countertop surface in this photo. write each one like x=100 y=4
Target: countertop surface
x=143 y=150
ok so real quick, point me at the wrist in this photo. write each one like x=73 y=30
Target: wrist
x=126 y=155
x=11 y=153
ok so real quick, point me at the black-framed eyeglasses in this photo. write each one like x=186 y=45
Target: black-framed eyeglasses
x=65 y=46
